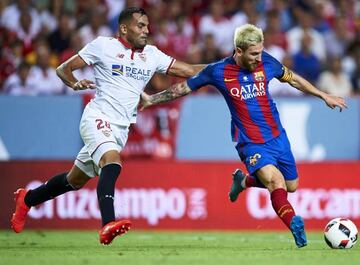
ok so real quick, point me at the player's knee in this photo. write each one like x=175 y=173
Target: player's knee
x=291 y=189
x=77 y=181
x=76 y=184
x=291 y=186
x=276 y=184
x=110 y=157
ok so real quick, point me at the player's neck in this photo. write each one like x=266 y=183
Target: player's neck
x=127 y=44
x=238 y=61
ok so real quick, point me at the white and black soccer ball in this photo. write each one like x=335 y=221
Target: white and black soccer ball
x=340 y=233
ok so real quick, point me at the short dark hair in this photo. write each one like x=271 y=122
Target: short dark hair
x=127 y=14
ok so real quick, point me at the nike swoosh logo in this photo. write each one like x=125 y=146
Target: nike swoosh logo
x=230 y=79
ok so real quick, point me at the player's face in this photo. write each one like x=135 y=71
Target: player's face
x=138 y=31
x=251 y=57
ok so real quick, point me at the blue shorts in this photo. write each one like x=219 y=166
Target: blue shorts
x=275 y=152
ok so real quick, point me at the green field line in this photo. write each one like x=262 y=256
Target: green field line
x=164 y=247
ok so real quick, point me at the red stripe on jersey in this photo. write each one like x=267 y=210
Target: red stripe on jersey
x=232 y=82
x=236 y=134
x=259 y=78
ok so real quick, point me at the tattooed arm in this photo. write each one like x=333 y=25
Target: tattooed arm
x=175 y=91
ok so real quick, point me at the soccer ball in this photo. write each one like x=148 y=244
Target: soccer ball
x=340 y=233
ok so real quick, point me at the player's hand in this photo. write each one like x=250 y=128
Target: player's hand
x=84 y=84
x=145 y=101
x=334 y=101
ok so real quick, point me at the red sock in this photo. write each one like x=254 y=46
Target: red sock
x=250 y=181
x=282 y=206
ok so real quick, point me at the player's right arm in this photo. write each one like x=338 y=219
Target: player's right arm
x=64 y=72
x=203 y=78
x=182 y=69
x=175 y=91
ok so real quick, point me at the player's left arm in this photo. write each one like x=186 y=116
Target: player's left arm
x=305 y=86
x=175 y=91
x=182 y=69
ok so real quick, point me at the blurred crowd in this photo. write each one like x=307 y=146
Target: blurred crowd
x=319 y=39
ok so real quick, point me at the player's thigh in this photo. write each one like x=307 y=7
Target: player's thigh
x=77 y=178
x=95 y=130
x=99 y=137
x=255 y=157
x=287 y=166
x=111 y=154
x=109 y=157
x=85 y=163
x=271 y=177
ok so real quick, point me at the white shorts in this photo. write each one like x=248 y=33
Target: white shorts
x=99 y=136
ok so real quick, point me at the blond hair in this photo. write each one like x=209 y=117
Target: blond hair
x=247 y=35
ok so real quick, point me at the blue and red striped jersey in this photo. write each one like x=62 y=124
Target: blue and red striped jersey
x=254 y=117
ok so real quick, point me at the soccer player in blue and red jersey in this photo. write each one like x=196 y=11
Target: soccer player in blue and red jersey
x=262 y=142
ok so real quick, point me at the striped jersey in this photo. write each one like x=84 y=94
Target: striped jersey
x=254 y=117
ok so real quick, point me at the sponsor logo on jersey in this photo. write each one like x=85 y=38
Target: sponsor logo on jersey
x=117 y=69
x=132 y=72
x=253 y=160
x=248 y=91
x=259 y=76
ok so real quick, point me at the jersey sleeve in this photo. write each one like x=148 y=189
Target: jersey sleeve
x=203 y=78
x=91 y=53
x=277 y=68
x=287 y=75
x=164 y=61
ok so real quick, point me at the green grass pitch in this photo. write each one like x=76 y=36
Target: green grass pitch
x=164 y=247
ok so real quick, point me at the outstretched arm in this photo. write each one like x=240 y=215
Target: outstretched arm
x=64 y=71
x=181 y=69
x=303 y=85
x=175 y=91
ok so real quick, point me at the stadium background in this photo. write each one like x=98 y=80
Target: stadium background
x=179 y=157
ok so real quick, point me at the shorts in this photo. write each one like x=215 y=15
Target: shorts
x=99 y=136
x=275 y=152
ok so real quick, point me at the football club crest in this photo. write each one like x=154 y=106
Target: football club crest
x=142 y=56
x=259 y=76
x=106 y=132
x=254 y=159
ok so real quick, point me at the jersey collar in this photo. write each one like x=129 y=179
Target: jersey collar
x=128 y=45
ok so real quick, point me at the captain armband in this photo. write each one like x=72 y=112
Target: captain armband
x=287 y=76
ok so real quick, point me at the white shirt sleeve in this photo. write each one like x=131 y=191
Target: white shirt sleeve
x=92 y=52
x=164 y=61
